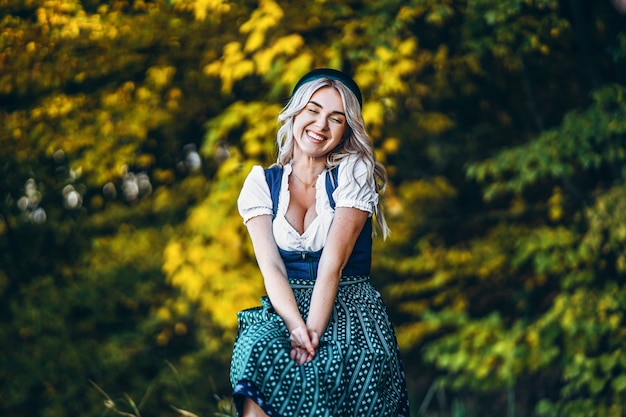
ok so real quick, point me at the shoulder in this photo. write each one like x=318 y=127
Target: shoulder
x=354 y=168
x=255 y=198
x=254 y=179
x=355 y=186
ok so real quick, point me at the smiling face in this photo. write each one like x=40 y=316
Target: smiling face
x=320 y=126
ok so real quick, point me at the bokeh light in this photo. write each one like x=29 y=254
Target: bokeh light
x=72 y=198
x=29 y=203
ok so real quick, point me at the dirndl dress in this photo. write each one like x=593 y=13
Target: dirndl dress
x=357 y=369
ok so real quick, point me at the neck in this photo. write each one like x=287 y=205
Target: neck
x=307 y=170
x=308 y=167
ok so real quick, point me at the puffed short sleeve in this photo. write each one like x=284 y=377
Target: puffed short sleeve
x=254 y=198
x=355 y=186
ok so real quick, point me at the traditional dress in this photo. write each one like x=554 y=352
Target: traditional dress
x=357 y=369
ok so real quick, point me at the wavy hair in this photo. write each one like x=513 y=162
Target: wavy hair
x=356 y=141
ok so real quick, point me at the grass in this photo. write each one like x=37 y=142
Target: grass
x=127 y=407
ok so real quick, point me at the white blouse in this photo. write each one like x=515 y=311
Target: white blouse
x=355 y=189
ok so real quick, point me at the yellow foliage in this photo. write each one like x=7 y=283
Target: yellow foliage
x=407 y=47
x=289 y=44
x=200 y=220
x=266 y=16
x=254 y=41
x=212 y=263
x=366 y=77
x=435 y=123
x=172 y=257
x=286 y=45
x=440 y=59
x=393 y=66
x=243 y=69
x=189 y=280
x=384 y=54
x=233 y=66
x=408 y=13
x=236 y=62
x=403 y=288
x=164 y=314
x=163 y=338
x=202 y=9
x=459 y=256
x=180 y=329
x=483 y=367
x=392 y=84
x=412 y=334
x=144 y=160
x=180 y=307
x=615 y=321
x=258 y=118
x=373 y=113
x=160 y=77
x=195 y=254
x=518 y=206
x=425 y=192
x=71 y=22
x=96 y=130
x=415 y=308
x=391 y=145
x=296 y=67
x=555 y=204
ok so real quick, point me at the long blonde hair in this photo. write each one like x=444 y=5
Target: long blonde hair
x=356 y=141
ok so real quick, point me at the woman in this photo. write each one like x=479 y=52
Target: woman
x=322 y=343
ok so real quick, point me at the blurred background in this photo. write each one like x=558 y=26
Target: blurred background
x=127 y=128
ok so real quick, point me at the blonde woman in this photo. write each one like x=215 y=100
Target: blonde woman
x=321 y=344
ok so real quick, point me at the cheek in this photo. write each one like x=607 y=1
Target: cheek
x=299 y=122
x=303 y=117
x=297 y=126
x=341 y=132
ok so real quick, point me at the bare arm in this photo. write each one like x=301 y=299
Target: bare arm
x=274 y=272
x=346 y=227
x=303 y=342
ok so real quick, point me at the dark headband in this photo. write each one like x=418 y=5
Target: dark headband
x=333 y=75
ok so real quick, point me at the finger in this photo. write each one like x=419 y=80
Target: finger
x=294 y=355
x=315 y=338
x=299 y=338
x=305 y=343
x=299 y=356
x=302 y=356
x=308 y=357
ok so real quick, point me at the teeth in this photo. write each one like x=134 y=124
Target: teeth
x=316 y=136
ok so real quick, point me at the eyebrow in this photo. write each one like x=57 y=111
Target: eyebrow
x=321 y=107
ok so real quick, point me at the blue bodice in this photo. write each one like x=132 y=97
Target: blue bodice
x=303 y=265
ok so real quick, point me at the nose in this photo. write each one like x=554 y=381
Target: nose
x=321 y=122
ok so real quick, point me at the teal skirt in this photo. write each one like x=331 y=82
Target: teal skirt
x=357 y=370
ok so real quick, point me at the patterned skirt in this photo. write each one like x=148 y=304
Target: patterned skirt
x=357 y=370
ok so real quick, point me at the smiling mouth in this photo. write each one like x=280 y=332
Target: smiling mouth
x=315 y=136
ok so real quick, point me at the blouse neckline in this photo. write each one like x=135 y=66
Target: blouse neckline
x=285 y=198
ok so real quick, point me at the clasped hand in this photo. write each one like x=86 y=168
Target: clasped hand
x=304 y=341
